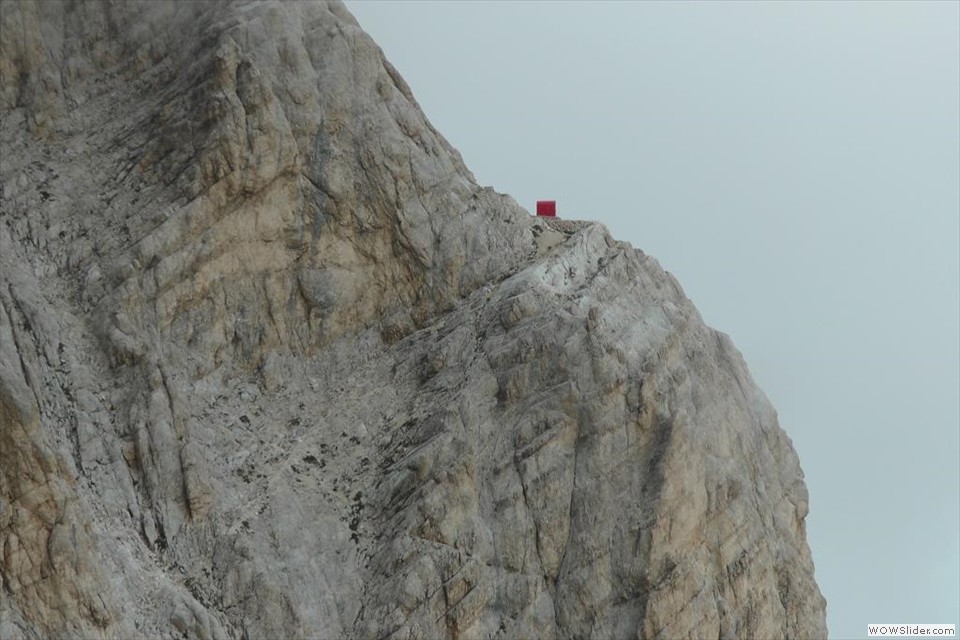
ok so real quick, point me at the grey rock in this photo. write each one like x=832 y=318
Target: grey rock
x=272 y=364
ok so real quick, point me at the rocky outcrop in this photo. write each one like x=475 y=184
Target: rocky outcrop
x=274 y=365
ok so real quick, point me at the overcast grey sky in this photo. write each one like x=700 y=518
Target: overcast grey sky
x=796 y=166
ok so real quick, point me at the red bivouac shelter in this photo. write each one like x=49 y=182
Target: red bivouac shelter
x=547 y=208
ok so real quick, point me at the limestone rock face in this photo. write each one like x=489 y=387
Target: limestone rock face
x=272 y=364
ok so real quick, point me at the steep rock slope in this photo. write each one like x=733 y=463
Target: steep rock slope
x=272 y=364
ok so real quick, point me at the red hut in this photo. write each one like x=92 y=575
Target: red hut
x=547 y=208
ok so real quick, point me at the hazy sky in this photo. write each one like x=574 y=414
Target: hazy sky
x=796 y=167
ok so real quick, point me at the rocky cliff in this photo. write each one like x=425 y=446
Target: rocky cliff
x=272 y=364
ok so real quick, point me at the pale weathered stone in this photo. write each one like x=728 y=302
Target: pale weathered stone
x=272 y=364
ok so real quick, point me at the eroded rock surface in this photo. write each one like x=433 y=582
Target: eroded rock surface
x=272 y=364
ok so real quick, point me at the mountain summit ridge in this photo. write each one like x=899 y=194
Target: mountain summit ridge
x=274 y=365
